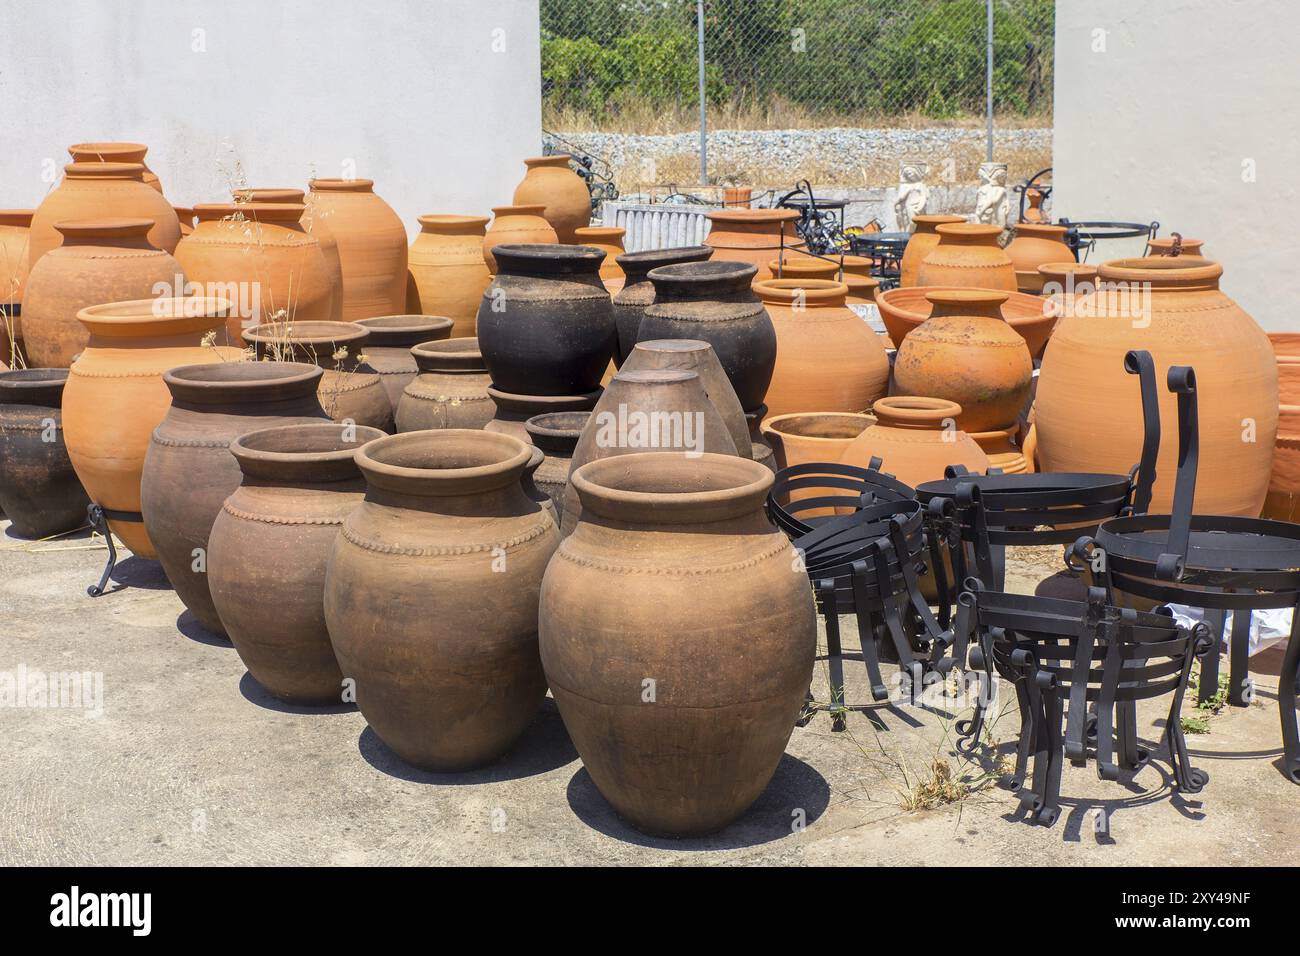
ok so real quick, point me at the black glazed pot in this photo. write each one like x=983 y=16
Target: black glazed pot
x=638 y=291
x=39 y=491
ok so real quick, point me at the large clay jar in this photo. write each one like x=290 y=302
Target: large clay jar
x=116 y=153
x=447 y=272
x=556 y=436
x=609 y=240
x=966 y=353
x=102 y=191
x=188 y=470
x=827 y=358
x=101 y=260
x=1036 y=243
x=450 y=389
x=349 y=390
x=1089 y=411
x=676 y=574
x=15 y=237
x=431 y=595
x=39 y=491
x=270 y=545
x=968 y=255
x=312 y=223
x=755 y=236
x=546 y=325
x=116 y=397
x=813 y=436
x=924 y=238
x=713 y=302
x=562 y=193
x=916 y=438
x=638 y=291
x=388 y=349
x=513 y=411
x=903 y=310
x=513 y=226
x=371 y=243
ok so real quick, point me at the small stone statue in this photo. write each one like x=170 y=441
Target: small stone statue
x=992 y=205
x=913 y=193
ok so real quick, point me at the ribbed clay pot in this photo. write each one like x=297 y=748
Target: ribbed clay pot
x=1182 y=320
x=447 y=272
x=513 y=411
x=188 y=470
x=312 y=224
x=371 y=243
x=431 y=595
x=546 y=324
x=39 y=491
x=827 y=358
x=676 y=574
x=916 y=438
x=450 y=389
x=609 y=240
x=903 y=310
x=388 y=349
x=1164 y=246
x=106 y=260
x=514 y=226
x=638 y=291
x=968 y=255
x=116 y=397
x=813 y=436
x=713 y=302
x=556 y=436
x=753 y=235
x=269 y=548
x=562 y=193
x=854 y=273
x=116 y=153
x=15 y=238
x=924 y=238
x=1036 y=243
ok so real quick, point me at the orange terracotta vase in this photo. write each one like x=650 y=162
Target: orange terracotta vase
x=813 y=436
x=610 y=240
x=513 y=225
x=565 y=199
x=115 y=153
x=371 y=243
x=1033 y=245
x=737 y=196
x=314 y=226
x=116 y=397
x=903 y=310
x=827 y=358
x=15 y=237
x=753 y=235
x=1164 y=246
x=916 y=438
x=108 y=260
x=968 y=255
x=1088 y=409
x=447 y=272
x=924 y=238
x=855 y=274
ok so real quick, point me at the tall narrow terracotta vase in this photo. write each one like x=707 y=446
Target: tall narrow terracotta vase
x=115 y=153
x=638 y=291
x=388 y=348
x=1035 y=244
x=916 y=438
x=608 y=239
x=15 y=239
x=448 y=273
x=371 y=244
x=968 y=255
x=755 y=236
x=924 y=238
x=562 y=193
x=516 y=225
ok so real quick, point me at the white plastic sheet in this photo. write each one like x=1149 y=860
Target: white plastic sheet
x=1268 y=626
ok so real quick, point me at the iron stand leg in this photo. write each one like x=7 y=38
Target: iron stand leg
x=1286 y=699
x=1239 y=658
x=95 y=514
x=1209 y=683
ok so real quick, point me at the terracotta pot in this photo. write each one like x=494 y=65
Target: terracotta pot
x=556 y=436
x=447 y=272
x=15 y=237
x=1164 y=246
x=102 y=191
x=107 y=260
x=448 y=553
x=269 y=548
x=827 y=358
x=513 y=226
x=1286 y=348
x=371 y=243
x=968 y=255
x=39 y=491
x=916 y=439
x=1183 y=320
x=185 y=215
x=312 y=224
x=902 y=310
x=450 y=390
x=638 y=291
x=813 y=436
x=1067 y=277
x=513 y=411
x=1282 y=503
x=608 y=239
x=561 y=192
x=546 y=324
x=116 y=153
x=1034 y=245
x=753 y=235
x=738 y=196
x=116 y=397
x=924 y=238
x=862 y=286
x=388 y=349
x=713 y=302
x=677 y=574
x=999 y=445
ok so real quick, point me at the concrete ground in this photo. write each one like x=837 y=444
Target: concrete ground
x=191 y=762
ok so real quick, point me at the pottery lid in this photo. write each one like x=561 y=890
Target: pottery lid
x=672 y=488
x=285 y=213
x=236 y=383
x=405 y=331
x=155 y=317
x=815 y=293
x=525 y=406
x=557 y=433
x=915 y=411
x=98 y=152
x=110 y=228
x=449 y=355
x=699 y=280
x=33 y=386
x=341 y=185
x=637 y=264
x=454 y=225
x=444 y=462
x=303 y=454
x=270 y=194
x=542 y=260
x=134 y=171
x=1164 y=273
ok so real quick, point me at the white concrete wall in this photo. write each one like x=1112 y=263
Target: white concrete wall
x=438 y=101
x=1187 y=101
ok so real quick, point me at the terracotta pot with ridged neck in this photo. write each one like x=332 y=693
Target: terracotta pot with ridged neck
x=449 y=390
x=924 y=238
x=903 y=310
x=388 y=348
x=514 y=226
x=39 y=491
x=448 y=552
x=638 y=291
x=371 y=242
x=312 y=224
x=968 y=255
x=1036 y=243
x=447 y=271
x=608 y=239
x=551 y=183
x=754 y=236
x=116 y=153
x=916 y=438
x=15 y=239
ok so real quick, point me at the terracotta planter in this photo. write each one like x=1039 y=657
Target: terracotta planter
x=556 y=436
x=1034 y=245
x=388 y=349
x=312 y=224
x=968 y=255
x=39 y=491
x=902 y=310
x=924 y=238
x=450 y=390
x=371 y=242
x=116 y=153
x=813 y=436
x=1183 y=320
x=916 y=439
x=1164 y=246
x=116 y=397
x=678 y=574
x=513 y=226
x=546 y=325
x=609 y=240
x=447 y=271
x=1282 y=503
x=827 y=358
x=553 y=185
x=107 y=260
x=448 y=553
x=638 y=291
x=759 y=447
x=15 y=237
x=861 y=285
x=737 y=196
x=713 y=302
x=753 y=235
x=513 y=411
x=269 y=548
x=1286 y=349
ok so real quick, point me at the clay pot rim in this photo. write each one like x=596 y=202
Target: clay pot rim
x=815 y=292
x=405 y=331
x=1163 y=272
x=339 y=185
x=1169 y=241
x=753 y=215
x=33 y=386
x=543 y=260
x=315 y=332
x=332 y=460
x=654 y=376
x=1064 y=268
x=638 y=265
x=449 y=355
x=503 y=460
x=740 y=487
x=704 y=276
x=674 y=345
x=600 y=232
x=936 y=219
x=810 y=265
x=968 y=230
x=525 y=209
x=16 y=217
x=554 y=159
x=271 y=194
x=968 y=296
x=120 y=227
x=451 y=222
x=914 y=411
x=557 y=433
x=220 y=383
x=159 y=316
x=105 y=171
x=259 y=212
x=1040 y=229
x=777 y=425
x=108 y=146
x=520 y=402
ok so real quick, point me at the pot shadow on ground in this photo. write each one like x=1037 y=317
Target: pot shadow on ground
x=796 y=795
x=255 y=693
x=133 y=572
x=189 y=625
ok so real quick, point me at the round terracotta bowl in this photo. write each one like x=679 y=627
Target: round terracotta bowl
x=903 y=309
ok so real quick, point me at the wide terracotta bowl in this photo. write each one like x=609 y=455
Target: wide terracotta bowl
x=903 y=309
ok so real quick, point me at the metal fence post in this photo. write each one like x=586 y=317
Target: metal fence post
x=988 y=79
x=704 y=120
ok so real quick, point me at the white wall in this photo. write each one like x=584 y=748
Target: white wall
x=1160 y=123
x=438 y=101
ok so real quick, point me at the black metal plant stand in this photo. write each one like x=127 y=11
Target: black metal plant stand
x=98 y=517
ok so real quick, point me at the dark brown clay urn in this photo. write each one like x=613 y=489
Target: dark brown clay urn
x=546 y=324
x=431 y=595
x=188 y=468
x=638 y=291
x=388 y=348
x=676 y=585
x=556 y=436
x=269 y=547
x=450 y=390
x=39 y=491
x=512 y=411
x=713 y=302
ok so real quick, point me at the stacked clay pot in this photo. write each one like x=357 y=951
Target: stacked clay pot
x=447 y=271
x=104 y=260
x=371 y=244
x=1165 y=245
x=448 y=552
x=513 y=411
x=513 y=226
x=638 y=291
x=312 y=224
x=924 y=238
x=449 y=389
x=609 y=240
x=556 y=436
x=388 y=348
x=802 y=437
x=754 y=236
x=675 y=573
x=1036 y=243
x=853 y=271
x=916 y=438
x=968 y=255
x=903 y=310
x=562 y=194
x=1283 y=500
x=116 y=153
x=15 y=238
x=39 y=491
x=269 y=547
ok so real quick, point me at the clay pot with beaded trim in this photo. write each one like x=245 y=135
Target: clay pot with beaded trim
x=39 y=491
x=753 y=236
x=447 y=273
x=371 y=243
x=903 y=310
x=312 y=224
x=116 y=153
x=388 y=348
x=916 y=438
x=515 y=226
x=1036 y=243
x=924 y=238
x=555 y=435
x=450 y=389
x=563 y=195
x=638 y=292
x=968 y=255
